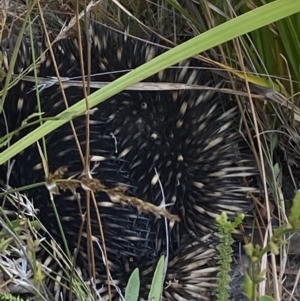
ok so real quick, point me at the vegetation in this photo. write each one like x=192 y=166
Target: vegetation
x=258 y=43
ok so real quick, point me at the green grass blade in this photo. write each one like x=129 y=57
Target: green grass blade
x=291 y=44
x=184 y=13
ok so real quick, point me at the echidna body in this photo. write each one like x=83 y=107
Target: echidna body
x=178 y=146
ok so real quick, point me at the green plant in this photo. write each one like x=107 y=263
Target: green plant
x=225 y=229
x=133 y=285
x=256 y=252
x=9 y=297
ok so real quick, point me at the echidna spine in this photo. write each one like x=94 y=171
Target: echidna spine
x=181 y=145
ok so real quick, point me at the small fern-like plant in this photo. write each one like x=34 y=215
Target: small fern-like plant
x=225 y=229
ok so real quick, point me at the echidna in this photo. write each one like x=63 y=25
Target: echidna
x=182 y=147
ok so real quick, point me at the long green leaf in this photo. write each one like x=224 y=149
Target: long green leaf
x=263 y=15
x=291 y=44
